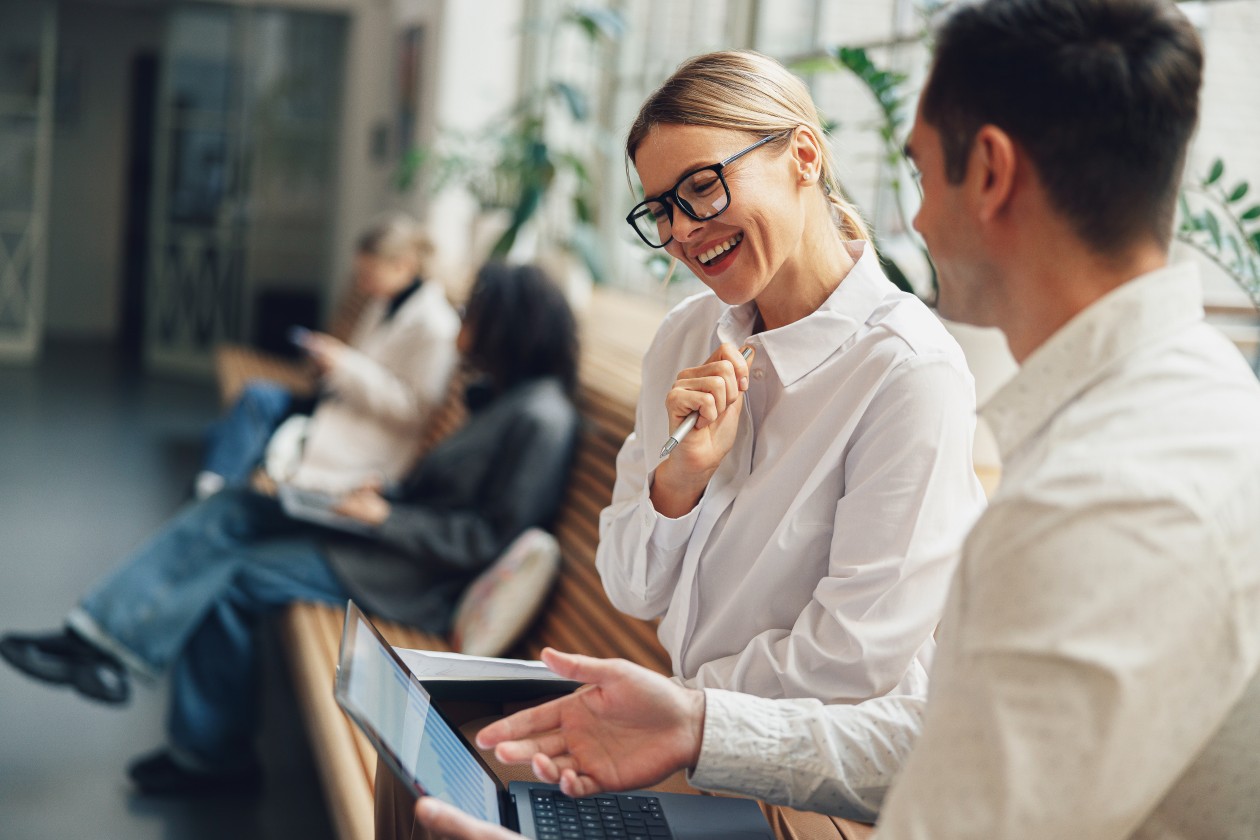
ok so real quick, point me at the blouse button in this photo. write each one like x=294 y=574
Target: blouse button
x=759 y=374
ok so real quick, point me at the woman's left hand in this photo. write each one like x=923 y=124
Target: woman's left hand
x=365 y=504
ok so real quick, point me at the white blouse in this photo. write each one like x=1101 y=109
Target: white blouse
x=817 y=561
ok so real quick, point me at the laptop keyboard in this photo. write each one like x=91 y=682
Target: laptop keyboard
x=609 y=815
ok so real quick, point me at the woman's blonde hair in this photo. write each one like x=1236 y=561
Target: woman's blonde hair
x=396 y=235
x=745 y=91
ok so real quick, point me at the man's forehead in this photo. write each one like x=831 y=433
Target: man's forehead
x=920 y=138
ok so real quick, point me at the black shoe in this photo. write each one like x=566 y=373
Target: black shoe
x=66 y=659
x=157 y=774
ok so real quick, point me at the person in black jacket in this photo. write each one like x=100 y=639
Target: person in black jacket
x=188 y=601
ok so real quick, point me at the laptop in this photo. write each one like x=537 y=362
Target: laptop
x=319 y=507
x=388 y=702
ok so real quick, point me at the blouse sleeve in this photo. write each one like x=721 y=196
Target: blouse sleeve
x=407 y=377
x=640 y=552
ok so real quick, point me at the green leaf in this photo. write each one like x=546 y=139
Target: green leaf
x=1212 y=226
x=606 y=23
x=1253 y=213
x=1254 y=239
x=501 y=248
x=585 y=242
x=1240 y=189
x=894 y=273
x=1232 y=241
x=854 y=58
x=582 y=209
x=1214 y=175
x=574 y=98
x=576 y=165
x=815 y=64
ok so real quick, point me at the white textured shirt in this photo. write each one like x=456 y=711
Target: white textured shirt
x=817 y=561
x=1097 y=670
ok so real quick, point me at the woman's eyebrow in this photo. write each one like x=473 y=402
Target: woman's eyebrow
x=690 y=169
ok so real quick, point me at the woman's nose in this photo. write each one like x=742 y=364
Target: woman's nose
x=683 y=227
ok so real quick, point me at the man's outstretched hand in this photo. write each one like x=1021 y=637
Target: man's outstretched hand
x=627 y=728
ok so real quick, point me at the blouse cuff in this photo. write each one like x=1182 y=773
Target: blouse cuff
x=667 y=534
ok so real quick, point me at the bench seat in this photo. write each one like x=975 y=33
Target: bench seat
x=577 y=616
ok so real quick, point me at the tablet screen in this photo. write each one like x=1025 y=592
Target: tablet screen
x=398 y=709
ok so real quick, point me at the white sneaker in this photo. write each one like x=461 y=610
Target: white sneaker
x=207 y=484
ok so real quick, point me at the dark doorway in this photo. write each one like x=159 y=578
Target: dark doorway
x=141 y=133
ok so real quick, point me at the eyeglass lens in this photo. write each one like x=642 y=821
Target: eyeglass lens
x=701 y=195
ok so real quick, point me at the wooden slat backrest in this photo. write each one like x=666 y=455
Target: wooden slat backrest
x=578 y=616
x=448 y=416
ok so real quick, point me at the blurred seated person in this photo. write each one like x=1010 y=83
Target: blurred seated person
x=375 y=393
x=188 y=601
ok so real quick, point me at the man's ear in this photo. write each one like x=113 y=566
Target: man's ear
x=993 y=164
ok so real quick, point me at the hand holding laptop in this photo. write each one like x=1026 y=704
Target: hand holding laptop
x=628 y=724
x=447 y=821
x=627 y=728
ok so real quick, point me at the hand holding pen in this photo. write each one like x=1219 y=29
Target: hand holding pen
x=704 y=409
x=689 y=422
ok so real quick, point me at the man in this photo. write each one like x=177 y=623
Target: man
x=1097 y=669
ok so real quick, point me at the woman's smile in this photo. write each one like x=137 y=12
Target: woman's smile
x=715 y=258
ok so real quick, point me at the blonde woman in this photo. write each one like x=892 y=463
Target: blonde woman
x=799 y=541
x=375 y=391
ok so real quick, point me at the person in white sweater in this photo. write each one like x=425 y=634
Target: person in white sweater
x=375 y=392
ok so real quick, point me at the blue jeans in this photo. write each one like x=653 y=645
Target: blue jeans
x=188 y=601
x=236 y=442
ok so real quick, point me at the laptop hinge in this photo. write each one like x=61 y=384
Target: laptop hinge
x=510 y=819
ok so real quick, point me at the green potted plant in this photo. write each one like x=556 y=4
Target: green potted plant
x=516 y=163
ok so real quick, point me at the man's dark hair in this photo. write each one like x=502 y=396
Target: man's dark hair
x=522 y=327
x=1103 y=95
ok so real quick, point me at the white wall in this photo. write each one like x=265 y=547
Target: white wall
x=474 y=71
x=89 y=171
x=363 y=179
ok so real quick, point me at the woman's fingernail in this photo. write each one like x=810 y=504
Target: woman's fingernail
x=743 y=383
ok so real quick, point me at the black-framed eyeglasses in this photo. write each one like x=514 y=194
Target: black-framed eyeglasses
x=702 y=194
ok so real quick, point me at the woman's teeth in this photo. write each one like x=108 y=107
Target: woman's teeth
x=720 y=249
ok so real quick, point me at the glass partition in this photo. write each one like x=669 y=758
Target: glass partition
x=27 y=43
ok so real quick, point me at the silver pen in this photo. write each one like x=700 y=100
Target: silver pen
x=689 y=422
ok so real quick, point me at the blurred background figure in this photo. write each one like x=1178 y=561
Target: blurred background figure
x=375 y=392
x=189 y=600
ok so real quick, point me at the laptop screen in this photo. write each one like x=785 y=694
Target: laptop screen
x=385 y=697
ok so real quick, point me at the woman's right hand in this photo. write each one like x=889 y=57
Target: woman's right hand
x=715 y=389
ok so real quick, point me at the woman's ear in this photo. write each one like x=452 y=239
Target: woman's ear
x=806 y=155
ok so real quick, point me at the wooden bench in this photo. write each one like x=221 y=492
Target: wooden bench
x=577 y=616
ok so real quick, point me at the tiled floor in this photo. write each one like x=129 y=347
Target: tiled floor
x=92 y=459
